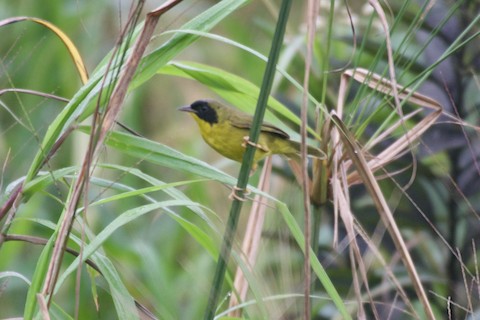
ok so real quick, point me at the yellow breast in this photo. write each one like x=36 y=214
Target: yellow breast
x=227 y=139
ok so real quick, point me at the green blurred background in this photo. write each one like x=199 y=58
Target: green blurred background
x=160 y=263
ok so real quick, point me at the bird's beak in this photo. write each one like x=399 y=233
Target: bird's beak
x=187 y=109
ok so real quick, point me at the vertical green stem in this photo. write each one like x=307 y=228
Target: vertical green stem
x=234 y=215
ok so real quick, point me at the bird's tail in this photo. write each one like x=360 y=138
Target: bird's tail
x=311 y=151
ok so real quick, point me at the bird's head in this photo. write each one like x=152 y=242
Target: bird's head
x=209 y=111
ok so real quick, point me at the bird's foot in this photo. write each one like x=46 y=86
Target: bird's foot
x=234 y=196
x=246 y=140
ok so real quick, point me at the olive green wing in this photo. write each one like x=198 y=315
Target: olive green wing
x=244 y=121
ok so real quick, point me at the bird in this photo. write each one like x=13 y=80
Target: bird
x=226 y=129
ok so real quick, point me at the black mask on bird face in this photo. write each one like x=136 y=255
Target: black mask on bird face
x=204 y=111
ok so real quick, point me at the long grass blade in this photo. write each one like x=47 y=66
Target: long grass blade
x=238 y=192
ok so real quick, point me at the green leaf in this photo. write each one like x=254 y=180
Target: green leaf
x=122 y=220
x=203 y=22
x=37 y=280
x=316 y=265
x=154 y=152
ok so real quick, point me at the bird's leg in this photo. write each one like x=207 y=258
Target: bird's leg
x=234 y=195
x=246 y=140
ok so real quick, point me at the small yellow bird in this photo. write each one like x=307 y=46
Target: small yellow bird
x=226 y=130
